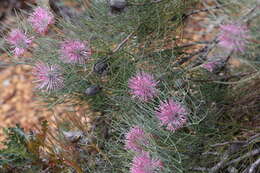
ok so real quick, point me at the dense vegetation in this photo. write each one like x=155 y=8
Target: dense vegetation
x=156 y=104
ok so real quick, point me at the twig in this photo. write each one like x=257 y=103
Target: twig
x=123 y=42
x=249 y=154
x=182 y=46
x=203 y=10
x=187 y=58
x=254 y=166
x=249 y=141
x=147 y=3
x=225 y=158
x=211 y=153
x=199 y=169
x=192 y=44
x=220 y=164
x=219 y=144
x=255 y=74
x=205 y=53
x=245 y=170
x=252 y=138
x=228 y=56
x=225 y=78
x=204 y=56
x=209 y=46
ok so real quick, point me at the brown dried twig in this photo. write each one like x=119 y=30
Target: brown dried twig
x=120 y=45
x=204 y=10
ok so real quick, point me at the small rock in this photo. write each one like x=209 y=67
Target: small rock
x=92 y=90
x=73 y=136
x=76 y=137
x=117 y=6
x=6 y=82
x=6 y=107
x=101 y=67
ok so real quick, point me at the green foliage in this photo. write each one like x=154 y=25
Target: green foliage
x=16 y=153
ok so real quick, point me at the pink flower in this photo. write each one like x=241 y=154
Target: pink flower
x=49 y=77
x=213 y=65
x=143 y=163
x=172 y=115
x=143 y=86
x=74 y=51
x=19 y=40
x=40 y=19
x=233 y=37
x=135 y=139
x=210 y=66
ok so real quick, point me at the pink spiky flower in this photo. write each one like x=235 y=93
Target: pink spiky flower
x=214 y=65
x=172 y=115
x=19 y=40
x=74 y=51
x=49 y=77
x=233 y=37
x=143 y=86
x=210 y=66
x=40 y=19
x=135 y=139
x=143 y=163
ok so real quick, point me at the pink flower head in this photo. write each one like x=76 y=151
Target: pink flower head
x=75 y=51
x=143 y=163
x=210 y=66
x=233 y=37
x=19 y=40
x=172 y=115
x=135 y=138
x=49 y=77
x=40 y=19
x=143 y=86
